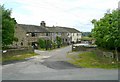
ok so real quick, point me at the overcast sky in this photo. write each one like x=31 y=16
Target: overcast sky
x=69 y=13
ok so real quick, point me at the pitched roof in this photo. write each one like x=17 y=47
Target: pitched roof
x=62 y=29
x=32 y=28
x=71 y=30
x=56 y=29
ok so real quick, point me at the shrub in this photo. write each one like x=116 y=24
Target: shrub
x=59 y=41
x=41 y=43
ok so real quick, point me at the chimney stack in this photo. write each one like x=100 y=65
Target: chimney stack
x=43 y=24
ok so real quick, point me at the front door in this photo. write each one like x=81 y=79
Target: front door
x=35 y=45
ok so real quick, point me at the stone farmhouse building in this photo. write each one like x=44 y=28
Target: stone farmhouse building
x=29 y=34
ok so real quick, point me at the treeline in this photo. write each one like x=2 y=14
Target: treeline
x=86 y=33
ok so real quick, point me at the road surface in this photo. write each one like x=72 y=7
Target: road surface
x=52 y=65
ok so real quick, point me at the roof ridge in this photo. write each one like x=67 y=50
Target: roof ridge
x=50 y=29
x=28 y=24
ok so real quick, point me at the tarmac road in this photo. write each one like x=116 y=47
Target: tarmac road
x=52 y=65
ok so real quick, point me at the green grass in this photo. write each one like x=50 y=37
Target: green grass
x=91 y=60
x=87 y=38
x=17 y=57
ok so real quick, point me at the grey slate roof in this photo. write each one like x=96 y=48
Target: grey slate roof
x=71 y=30
x=34 y=28
x=56 y=29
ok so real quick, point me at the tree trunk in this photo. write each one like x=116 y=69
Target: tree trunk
x=116 y=54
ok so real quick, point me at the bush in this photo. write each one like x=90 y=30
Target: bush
x=54 y=45
x=59 y=41
x=41 y=43
x=45 y=44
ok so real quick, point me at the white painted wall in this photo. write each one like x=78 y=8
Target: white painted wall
x=75 y=36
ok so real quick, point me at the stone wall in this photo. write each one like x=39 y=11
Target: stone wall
x=100 y=53
x=17 y=51
x=82 y=48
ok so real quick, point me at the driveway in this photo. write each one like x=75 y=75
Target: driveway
x=52 y=65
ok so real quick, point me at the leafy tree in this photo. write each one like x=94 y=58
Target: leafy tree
x=0 y=28
x=90 y=35
x=54 y=45
x=107 y=30
x=58 y=40
x=86 y=33
x=8 y=25
x=49 y=43
x=41 y=43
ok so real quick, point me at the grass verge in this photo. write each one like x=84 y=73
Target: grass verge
x=91 y=60
x=17 y=57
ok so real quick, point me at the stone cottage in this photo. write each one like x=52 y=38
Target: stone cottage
x=28 y=35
